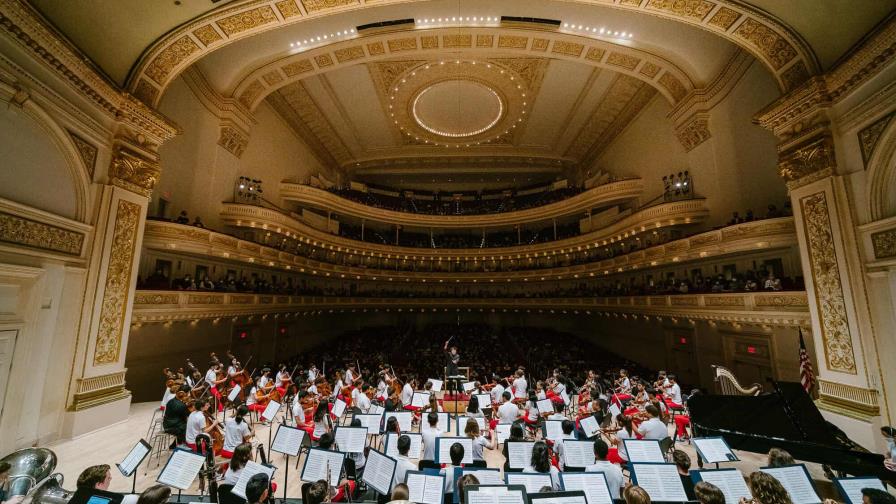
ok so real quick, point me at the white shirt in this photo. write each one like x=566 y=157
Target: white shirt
x=312 y=389
x=278 y=381
x=555 y=476
x=363 y=403
x=613 y=474
x=674 y=393
x=231 y=371
x=211 y=377
x=448 y=472
x=653 y=429
x=407 y=393
x=250 y=397
x=167 y=396
x=231 y=476
x=430 y=436
x=381 y=389
x=319 y=428
x=401 y=469
x=497 y=392
x=622 y=435
x=195 y=426
x=312 y=375
x=349 y=376
x=234 y=433
x=263 y=381
x=355 y=394
x=479 y=445
x=508 y=413
x=520 y=388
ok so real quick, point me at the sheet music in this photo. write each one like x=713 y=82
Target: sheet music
x=533 y=482
x=468 y=386
x=614 y=410
x=495 y=495
x=519 y=453
x=730 y=482
x=578 y=453
x=181 y=469
x=251 y=469
x=462 y=423
x=379 y=472
x=373 y=422
x=316 y=465
x=485 y=400
x=416 y=445
x=545 y=406
x=424 y=488
x=271 y=411
x=796 y=481
x=436 y=384
x=851 y=488
x=134 y=458
x=590 y=426
x=714 y=449
x=234 y=392
x=420 y=399
x=288 y=440
x=338 y=408
x=405 y=419
x=644 y=450
x=593 y=484
x=554 y=498
x=444 y=423
x=503 y=432
x=376 y=410
x=661 y=481
x=553 y=429
x=485 y=476
x=443 y=449
x=351 y=439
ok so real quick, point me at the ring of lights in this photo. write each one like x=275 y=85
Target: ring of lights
x=488 y=97
x=505 y=93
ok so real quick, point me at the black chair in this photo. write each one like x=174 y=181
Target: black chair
x=667 y=445
x=428 y=464
x=226 y=497
x=349 y=467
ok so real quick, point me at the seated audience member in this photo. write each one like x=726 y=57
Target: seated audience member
x=182 y=218
x=541 y=463
x=707 y=493
x=683 y=464
x=779 y=458
x=611 y=471
x=257 y=488
x=635 y=495
x=875 y=496
x=465 y=480
x=400 y=492
x=156 y=494
x=317 y=493
x=766 y=489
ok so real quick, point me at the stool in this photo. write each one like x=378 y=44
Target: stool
x=160 y=442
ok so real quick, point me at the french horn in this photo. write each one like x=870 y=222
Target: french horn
x=31 y=475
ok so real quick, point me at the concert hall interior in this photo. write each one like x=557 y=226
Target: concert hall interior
x=633 y=228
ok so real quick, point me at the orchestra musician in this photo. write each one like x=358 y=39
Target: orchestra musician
x=236 y=431
x=520 y=386
x=174 y=421
x=214 y=381
x=282 y=380
x=197 y=423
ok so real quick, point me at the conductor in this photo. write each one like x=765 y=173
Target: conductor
x=452 y=359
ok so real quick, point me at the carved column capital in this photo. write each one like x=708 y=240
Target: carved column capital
x=807 y=162
x=233 y=138
x=134 y=168
x=693 y=131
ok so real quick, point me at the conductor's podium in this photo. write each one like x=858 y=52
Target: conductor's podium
x=455 y=403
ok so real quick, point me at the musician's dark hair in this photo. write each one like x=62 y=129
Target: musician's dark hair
x=404 y=444
x=682 y=460
x=767 y=489
x=241 y=454
x=779 y=458
x=241 y=412
x=317 y=492
x=156 y=494
x=392 y=425
x=707 y=493
x=601 y=449
x=568 y=426
x=516 y=432
x=356 y=422
x=625 y=422
x=558 y=407
x=326 y=440
x=321 y=412
x=432 y=418
x=652 y=410
x=876 y=496
x=506 y=395
x=198 y=404
x=671 y=377
x=467 y=479
x=473 y=404
x=257 y=485
x=92 y=476
x=637 y=495
x=456 y=452
x=400 y=492
x=541 y=459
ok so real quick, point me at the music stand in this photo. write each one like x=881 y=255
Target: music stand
x=454 y=384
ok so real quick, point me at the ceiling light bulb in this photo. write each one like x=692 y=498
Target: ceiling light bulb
x=352 y=30
x=601 y=30
x=630 y=35
x=580 y=27
x=566 y=25
x=623 y=34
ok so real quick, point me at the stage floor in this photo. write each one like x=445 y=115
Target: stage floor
x=110 y=445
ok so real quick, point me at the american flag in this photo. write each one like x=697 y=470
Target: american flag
x=807 y=375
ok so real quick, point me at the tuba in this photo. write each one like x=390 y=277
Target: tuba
x=31 y=474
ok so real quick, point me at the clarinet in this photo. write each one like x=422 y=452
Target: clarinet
x=204 y=442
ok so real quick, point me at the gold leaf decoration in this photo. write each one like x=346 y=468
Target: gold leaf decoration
x=247 y=20
x=21 y=231
x=171 y=57
x=777 y=50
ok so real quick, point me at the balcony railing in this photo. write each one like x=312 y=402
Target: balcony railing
x=768 y=308
x=601 y=196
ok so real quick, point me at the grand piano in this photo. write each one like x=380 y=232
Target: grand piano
x=785 y=418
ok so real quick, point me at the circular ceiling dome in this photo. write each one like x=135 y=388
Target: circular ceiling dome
x=457 y=108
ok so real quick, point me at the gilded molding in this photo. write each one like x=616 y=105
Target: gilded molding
x=884 y=244
x=87 y=151
x=777 y=50
x=856 y=399
x=18 y=230
x=247 y=20
x=118 y=283
x=807 y=159
x=98 y=390
x=694 y=132
x=233 y=140
x=133 y=170
x=827 y=284
x=870 y=134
